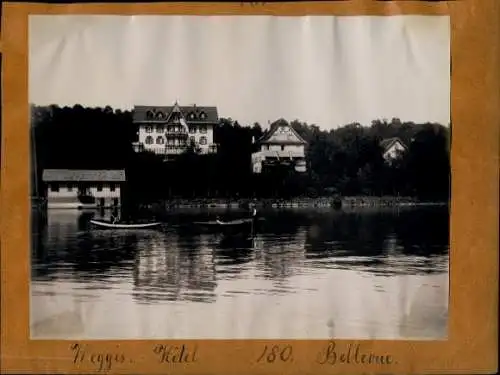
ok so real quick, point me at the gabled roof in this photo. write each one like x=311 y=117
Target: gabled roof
x=192 y=114
x=389 y=142
x=266 y=138
x=94 y=175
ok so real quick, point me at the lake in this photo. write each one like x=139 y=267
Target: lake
x=305 y=273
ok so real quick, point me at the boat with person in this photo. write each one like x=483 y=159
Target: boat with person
x=223 y=223
x=120 y=225
x=218 y=222
x=116 y=221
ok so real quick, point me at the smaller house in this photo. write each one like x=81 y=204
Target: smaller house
x=281 y=145
x=393 y=148
x=68 y=188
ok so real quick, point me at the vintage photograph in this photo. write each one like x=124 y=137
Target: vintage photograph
x=239 y=177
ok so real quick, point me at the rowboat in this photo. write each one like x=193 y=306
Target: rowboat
x=225 y=223
x=105 y=224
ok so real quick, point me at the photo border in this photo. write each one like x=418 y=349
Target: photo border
x=472 y=329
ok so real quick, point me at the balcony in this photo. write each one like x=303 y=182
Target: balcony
x=171 y=133
x=271 y=154
x=175 y=149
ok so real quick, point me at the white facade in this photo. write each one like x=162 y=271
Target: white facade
x=282 y=144
x=394 y=151
x=174 y=140
x=65 y=190
x=171 y=130
x=83 y=188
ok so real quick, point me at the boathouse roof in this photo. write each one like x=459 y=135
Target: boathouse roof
x=94 y=175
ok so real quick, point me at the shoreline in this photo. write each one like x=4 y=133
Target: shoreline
x=321 y=202
x=274 y=203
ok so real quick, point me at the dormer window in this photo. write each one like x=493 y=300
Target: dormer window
x=159 y=116
x=203 y=115
x=150 y=115
x=192 y=116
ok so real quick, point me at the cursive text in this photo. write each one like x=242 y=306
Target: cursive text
x=104 y=361
x=352 y=354
x=176 y=353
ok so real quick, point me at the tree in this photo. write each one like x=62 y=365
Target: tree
x=347 y=160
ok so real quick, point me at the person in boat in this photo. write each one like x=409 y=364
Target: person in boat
x=114 y=219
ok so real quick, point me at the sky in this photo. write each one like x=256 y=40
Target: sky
x=323 y=70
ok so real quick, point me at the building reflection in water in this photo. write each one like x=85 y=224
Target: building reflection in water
x=165 y=270
x=305 y=274
x=67 y=250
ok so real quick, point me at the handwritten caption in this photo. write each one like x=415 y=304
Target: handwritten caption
x=352 y=354
x=276 y=353
x=176 y=353
x=103 y=361
x=183 y=354
x=252 y=3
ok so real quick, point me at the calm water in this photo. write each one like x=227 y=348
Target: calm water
x=306 y=274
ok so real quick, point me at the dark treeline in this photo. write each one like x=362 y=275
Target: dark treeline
x=344 y=161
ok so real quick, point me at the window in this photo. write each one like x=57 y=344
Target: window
x=149 y=140
x=203 y=115
x=192 y=140
x=54 y=187
x=160 y=141
x=203 y=140
x=112 y=187
x=192 y=116
x=150 y=115
x=203 y=129
x=159 y=129
x=192 y=129
x=70 y=187
x=159 y=116
x=149 y=129
x=282 y=147
x=99 y=187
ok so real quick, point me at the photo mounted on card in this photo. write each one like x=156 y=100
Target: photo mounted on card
x=235 y=187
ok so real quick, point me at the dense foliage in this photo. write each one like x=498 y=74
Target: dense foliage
x=347 y=160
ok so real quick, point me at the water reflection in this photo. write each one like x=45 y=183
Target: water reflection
x=386 y=242
x=311 y=258
x=168 y=269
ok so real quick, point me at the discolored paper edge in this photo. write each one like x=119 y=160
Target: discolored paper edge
x=472 y=330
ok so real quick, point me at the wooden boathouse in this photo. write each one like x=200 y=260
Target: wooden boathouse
x=69 y=188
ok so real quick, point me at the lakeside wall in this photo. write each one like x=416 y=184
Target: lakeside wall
x=321 y=202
